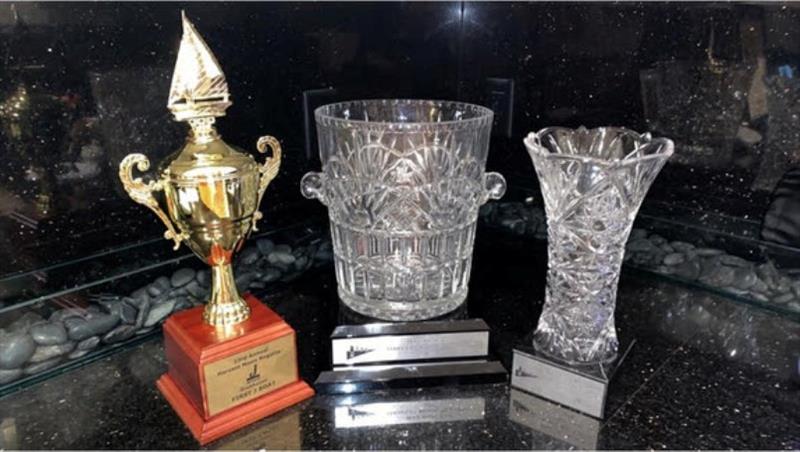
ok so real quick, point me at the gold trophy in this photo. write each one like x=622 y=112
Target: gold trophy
x=237 y=362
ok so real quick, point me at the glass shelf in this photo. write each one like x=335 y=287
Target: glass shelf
x=733 y=264
x=62 y=327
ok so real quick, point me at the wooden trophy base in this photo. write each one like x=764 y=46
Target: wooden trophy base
x=220 y=381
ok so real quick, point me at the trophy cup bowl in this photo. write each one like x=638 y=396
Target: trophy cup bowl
x=212 y=194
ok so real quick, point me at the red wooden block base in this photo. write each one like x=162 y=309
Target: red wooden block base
x=190 y=345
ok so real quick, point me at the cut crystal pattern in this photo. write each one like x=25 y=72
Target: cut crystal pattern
x=593 y=182
x=403 y=181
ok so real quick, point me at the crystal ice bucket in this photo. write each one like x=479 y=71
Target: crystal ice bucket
x=403 y=181
x=593 y=182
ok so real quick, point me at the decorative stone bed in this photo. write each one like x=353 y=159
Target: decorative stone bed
x=35 y=343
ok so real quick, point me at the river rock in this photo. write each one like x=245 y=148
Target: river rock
x=182 y=277
x=36 y=368
x=638 y=233
x=783 y=298
x=204 y=278
x=279 y=257
x=265 y=246
x=66 y=313
x=77 y=354
x=142 y=310
x=759 y=287
x=301 y=263
x=91 y=325
x=689 y=270
x=122 y=308
x=46 y=352
x=783 y=284
x=642 y=245
x=160 y=286
x=140 y=294
x=24 y=323
x=243 y=280
x=759 y=296
x=744 y=278
x=15 y=349
x=194 y=289
x=9 y=375
x=657 y=240
x=708 y=252
x=144 y=331
x=768 y=273
x=733 y=261
x=323 y=255
x=271 y=274
x=682 y=247
x=719 y=276
x=181 y=303
x=49 y=333
x=120 y=333
x=674 y=259
x=159 y=312
x=88 y=344
x=665 y=269
x=249 y=256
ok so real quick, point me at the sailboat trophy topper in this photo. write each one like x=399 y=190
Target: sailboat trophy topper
x=236 y=361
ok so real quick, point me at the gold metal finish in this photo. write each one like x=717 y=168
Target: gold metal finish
x=198 y=88
x=143 y=193
x=268 y=171
x=212 y=189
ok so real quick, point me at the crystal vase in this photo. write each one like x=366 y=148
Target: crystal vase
x=403 y=181
x=593 y=182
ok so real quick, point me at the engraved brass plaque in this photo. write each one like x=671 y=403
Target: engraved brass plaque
x=247 y=375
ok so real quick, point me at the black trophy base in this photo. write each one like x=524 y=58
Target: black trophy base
x=378 y=377
x=582 y=388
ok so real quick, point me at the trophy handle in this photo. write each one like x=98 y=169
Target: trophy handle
x=143 y=192
x=268 y=171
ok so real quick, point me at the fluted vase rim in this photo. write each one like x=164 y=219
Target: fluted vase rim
x=665 y=146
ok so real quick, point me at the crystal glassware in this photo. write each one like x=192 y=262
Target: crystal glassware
x=403 y=181
x=593 y=182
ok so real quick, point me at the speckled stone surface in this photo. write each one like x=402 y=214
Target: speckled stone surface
x=705 y=373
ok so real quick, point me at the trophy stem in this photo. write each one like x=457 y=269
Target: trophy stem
x=226 y=307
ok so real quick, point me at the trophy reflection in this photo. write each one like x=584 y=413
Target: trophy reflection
x=236 y=361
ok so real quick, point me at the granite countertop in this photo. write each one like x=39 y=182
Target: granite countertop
x=705 y=373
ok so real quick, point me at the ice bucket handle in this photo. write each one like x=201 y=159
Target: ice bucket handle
x=268 y=170
x=142 y=193
x=495 y=186
x=312 y=186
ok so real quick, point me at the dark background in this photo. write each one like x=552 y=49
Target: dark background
x=94 y=82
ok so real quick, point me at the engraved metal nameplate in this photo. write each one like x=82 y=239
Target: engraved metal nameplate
x=409 y=412
x=417 y=341
x=562 y=424
x=582 y=388
x=244 y=376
